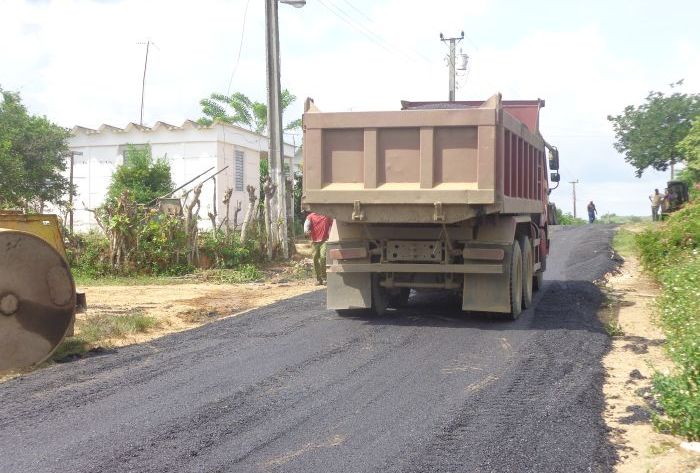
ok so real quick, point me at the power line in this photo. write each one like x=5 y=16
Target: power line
x=368 y=32
x=240 y=49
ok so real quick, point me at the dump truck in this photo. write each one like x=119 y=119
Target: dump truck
x=438 y=195
x=38 y=299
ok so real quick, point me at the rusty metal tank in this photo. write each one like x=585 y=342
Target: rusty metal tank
x=37 y=292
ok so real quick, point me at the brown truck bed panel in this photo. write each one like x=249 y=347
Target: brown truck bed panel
x=469 y=156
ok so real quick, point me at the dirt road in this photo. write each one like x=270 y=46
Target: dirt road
x=294 y=387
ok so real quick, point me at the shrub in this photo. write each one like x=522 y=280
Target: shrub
x=671 y=253
x=225 y=250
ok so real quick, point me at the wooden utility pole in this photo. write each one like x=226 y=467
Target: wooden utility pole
x=452 y=59
x=573 y=183
x=274 y=115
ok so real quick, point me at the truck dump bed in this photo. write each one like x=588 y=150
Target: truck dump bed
x=426 y=163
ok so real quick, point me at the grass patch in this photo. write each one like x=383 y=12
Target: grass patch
x=614 y=329
x=624 y=242
x=101 y=327
x=71 y=347
x=245 y=273
x=88 y=280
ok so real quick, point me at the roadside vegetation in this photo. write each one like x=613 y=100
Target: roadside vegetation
x=95 y=330
x=671 y=253
x=661 y=133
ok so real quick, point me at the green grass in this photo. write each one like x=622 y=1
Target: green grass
x=84 y=280
x=97 y=330
x=245 y=273
x=624 y=242
x=73 y=346
x=101 y=327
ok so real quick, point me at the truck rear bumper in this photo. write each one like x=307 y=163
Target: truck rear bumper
x=416 y=268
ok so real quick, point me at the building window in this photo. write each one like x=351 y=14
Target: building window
x=128 y=151
x=239 y=166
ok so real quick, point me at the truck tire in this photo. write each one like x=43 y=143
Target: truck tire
x=515 y=281
x=528 y=265
x=380 y=296
x=538 y=278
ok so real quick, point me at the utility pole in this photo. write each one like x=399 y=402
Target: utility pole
x=143 y=82
x=73 y=154
x=452 y=60
x=573 y=183
x=274 y=115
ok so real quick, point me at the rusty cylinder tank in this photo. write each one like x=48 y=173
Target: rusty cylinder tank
x=37 y=299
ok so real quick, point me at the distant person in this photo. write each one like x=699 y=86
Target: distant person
x=591 y=212
x=656 y=198
x=318 y=227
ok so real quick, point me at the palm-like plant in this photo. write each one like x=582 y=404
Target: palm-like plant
x=239 y=109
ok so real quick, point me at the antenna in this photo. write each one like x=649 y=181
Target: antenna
x=143 y=82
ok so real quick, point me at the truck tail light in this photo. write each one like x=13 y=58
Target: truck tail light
x=347 y=253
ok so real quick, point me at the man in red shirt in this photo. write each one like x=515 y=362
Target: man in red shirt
x=318 y=227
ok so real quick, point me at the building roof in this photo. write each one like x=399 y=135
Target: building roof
x=77 y=129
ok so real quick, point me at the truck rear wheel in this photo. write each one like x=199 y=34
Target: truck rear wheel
x=528 y=265
x=515 y=281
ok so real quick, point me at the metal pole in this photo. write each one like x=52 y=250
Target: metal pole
x=274 y=120
x=70 y=195
x=573 y=183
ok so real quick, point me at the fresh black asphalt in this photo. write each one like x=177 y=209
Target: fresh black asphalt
x=293 y=387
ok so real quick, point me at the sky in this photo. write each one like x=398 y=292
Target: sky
x=81 y=62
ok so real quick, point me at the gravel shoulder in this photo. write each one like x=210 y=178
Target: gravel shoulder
x=294 y=387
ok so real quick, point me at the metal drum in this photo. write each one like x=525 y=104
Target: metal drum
x=37 y=299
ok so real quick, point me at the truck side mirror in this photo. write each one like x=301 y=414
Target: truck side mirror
x=554 y=177
x=554 y=160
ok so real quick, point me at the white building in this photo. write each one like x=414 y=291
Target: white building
x=190 y=149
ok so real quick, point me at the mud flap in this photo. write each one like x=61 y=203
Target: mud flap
x=487 y=292
x=349 y=291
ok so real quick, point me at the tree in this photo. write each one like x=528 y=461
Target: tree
x=144 y=178
x=243 y=111
x=33 y=154
x=689 y=148
x=648 y=135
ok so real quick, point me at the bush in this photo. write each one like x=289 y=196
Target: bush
x=225 y=250
x=568 y=219
x=671 y=253
x=87 y=255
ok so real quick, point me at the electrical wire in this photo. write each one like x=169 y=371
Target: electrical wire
x=367 y=32
x=240 y=48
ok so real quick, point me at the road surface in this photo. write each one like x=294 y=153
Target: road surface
x=293 y=387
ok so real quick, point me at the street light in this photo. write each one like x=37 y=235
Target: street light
x=274 y=113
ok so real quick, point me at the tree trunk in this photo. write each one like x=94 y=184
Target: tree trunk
x=249 y=213
x=269 y=189
x=191 y=216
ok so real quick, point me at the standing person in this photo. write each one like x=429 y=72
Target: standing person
x=318 y=227
x=656 y=200
x=591 y=212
